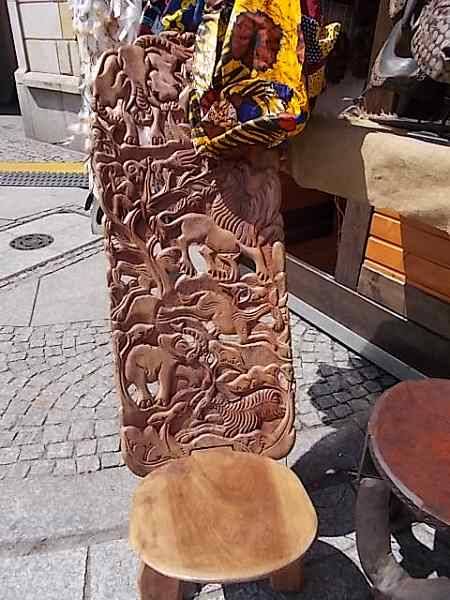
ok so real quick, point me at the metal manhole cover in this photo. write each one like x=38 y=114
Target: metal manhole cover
x=31 y=241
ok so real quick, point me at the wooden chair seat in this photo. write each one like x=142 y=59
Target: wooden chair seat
x=221 y=516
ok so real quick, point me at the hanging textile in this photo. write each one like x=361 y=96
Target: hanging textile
x=258 y=64
x=99 y=25
x=151 y=17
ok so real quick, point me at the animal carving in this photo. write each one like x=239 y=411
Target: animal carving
x=149 y=364
x=227 y=316
x=202 y=350
x=236 y=222
x=140 y=84
x=241 y=416
x=202 y=229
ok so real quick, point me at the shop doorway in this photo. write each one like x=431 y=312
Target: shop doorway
x=8 y=94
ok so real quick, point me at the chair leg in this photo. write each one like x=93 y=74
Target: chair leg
x=289 y=579
x=154 y=586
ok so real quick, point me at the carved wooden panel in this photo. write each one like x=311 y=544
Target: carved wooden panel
x=202 y=349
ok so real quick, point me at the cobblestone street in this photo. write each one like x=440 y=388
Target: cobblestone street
x=59 y=411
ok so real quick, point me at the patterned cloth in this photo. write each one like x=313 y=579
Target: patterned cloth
x=151 y=17
x=257 y=66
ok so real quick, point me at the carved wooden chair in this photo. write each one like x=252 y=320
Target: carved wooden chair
x=202 y=348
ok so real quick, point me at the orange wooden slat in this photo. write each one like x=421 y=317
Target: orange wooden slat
x=388 y=213
x=385 y=254
x=412 y=222
x=430 y=292
x=427 y=274
x=387 y=229
x=400 y=279
x=425 y=245
x=422 y=242
x=434 y=231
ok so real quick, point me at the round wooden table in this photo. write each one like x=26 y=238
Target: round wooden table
x=409 y=441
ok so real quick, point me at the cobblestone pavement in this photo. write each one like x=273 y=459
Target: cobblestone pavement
x=59 y=411
x=14 y=146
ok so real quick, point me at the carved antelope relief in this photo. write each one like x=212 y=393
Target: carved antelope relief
x=202 y=348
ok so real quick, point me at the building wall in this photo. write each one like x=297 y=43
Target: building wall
x=49 y=67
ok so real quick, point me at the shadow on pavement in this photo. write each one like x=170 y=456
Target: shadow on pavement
x=328 y=471
x=335 y=578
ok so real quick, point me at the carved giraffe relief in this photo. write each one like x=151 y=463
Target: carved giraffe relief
x=202 y=350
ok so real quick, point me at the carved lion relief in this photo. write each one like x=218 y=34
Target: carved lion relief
x=202 y=346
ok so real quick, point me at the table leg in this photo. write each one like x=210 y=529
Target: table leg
x=289 y=579
x=154 y=586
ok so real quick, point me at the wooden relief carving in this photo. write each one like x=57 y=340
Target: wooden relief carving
x=202 y=347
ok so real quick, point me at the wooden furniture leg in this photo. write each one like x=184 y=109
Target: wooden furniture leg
x=289 y=579
x=154 y=586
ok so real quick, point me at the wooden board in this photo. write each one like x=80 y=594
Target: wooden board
x=352 y=244
x=219 y=516
x=418 y=271
x=202 y=351
x=389 y=273
x=411 y=251
x=434 y=231
x=385 y=290
x=418 y=241
x=428 y=274
x=416 y=304
x=386 y=228
x=413 y=222
x=388 y=212
x=385 y=254
x=412 y=343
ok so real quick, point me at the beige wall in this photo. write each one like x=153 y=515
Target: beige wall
x=49 y=38
x=49 y=67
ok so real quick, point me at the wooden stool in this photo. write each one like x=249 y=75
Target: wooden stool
x=409 y=442
x=220 y=517
x=202 y=349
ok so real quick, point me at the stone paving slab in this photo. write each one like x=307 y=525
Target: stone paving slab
x=17 y=304
x=56 y=576
x=18 y=202
x=78 y=293
x=112 y=571
x=14 y=146
x=329 y=573
x=43 y=515
x=69 y=231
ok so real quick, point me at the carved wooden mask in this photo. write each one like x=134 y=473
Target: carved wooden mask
x=202 y=347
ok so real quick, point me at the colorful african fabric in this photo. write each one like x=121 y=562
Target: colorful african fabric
x=257 y=65
x=151 y=17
